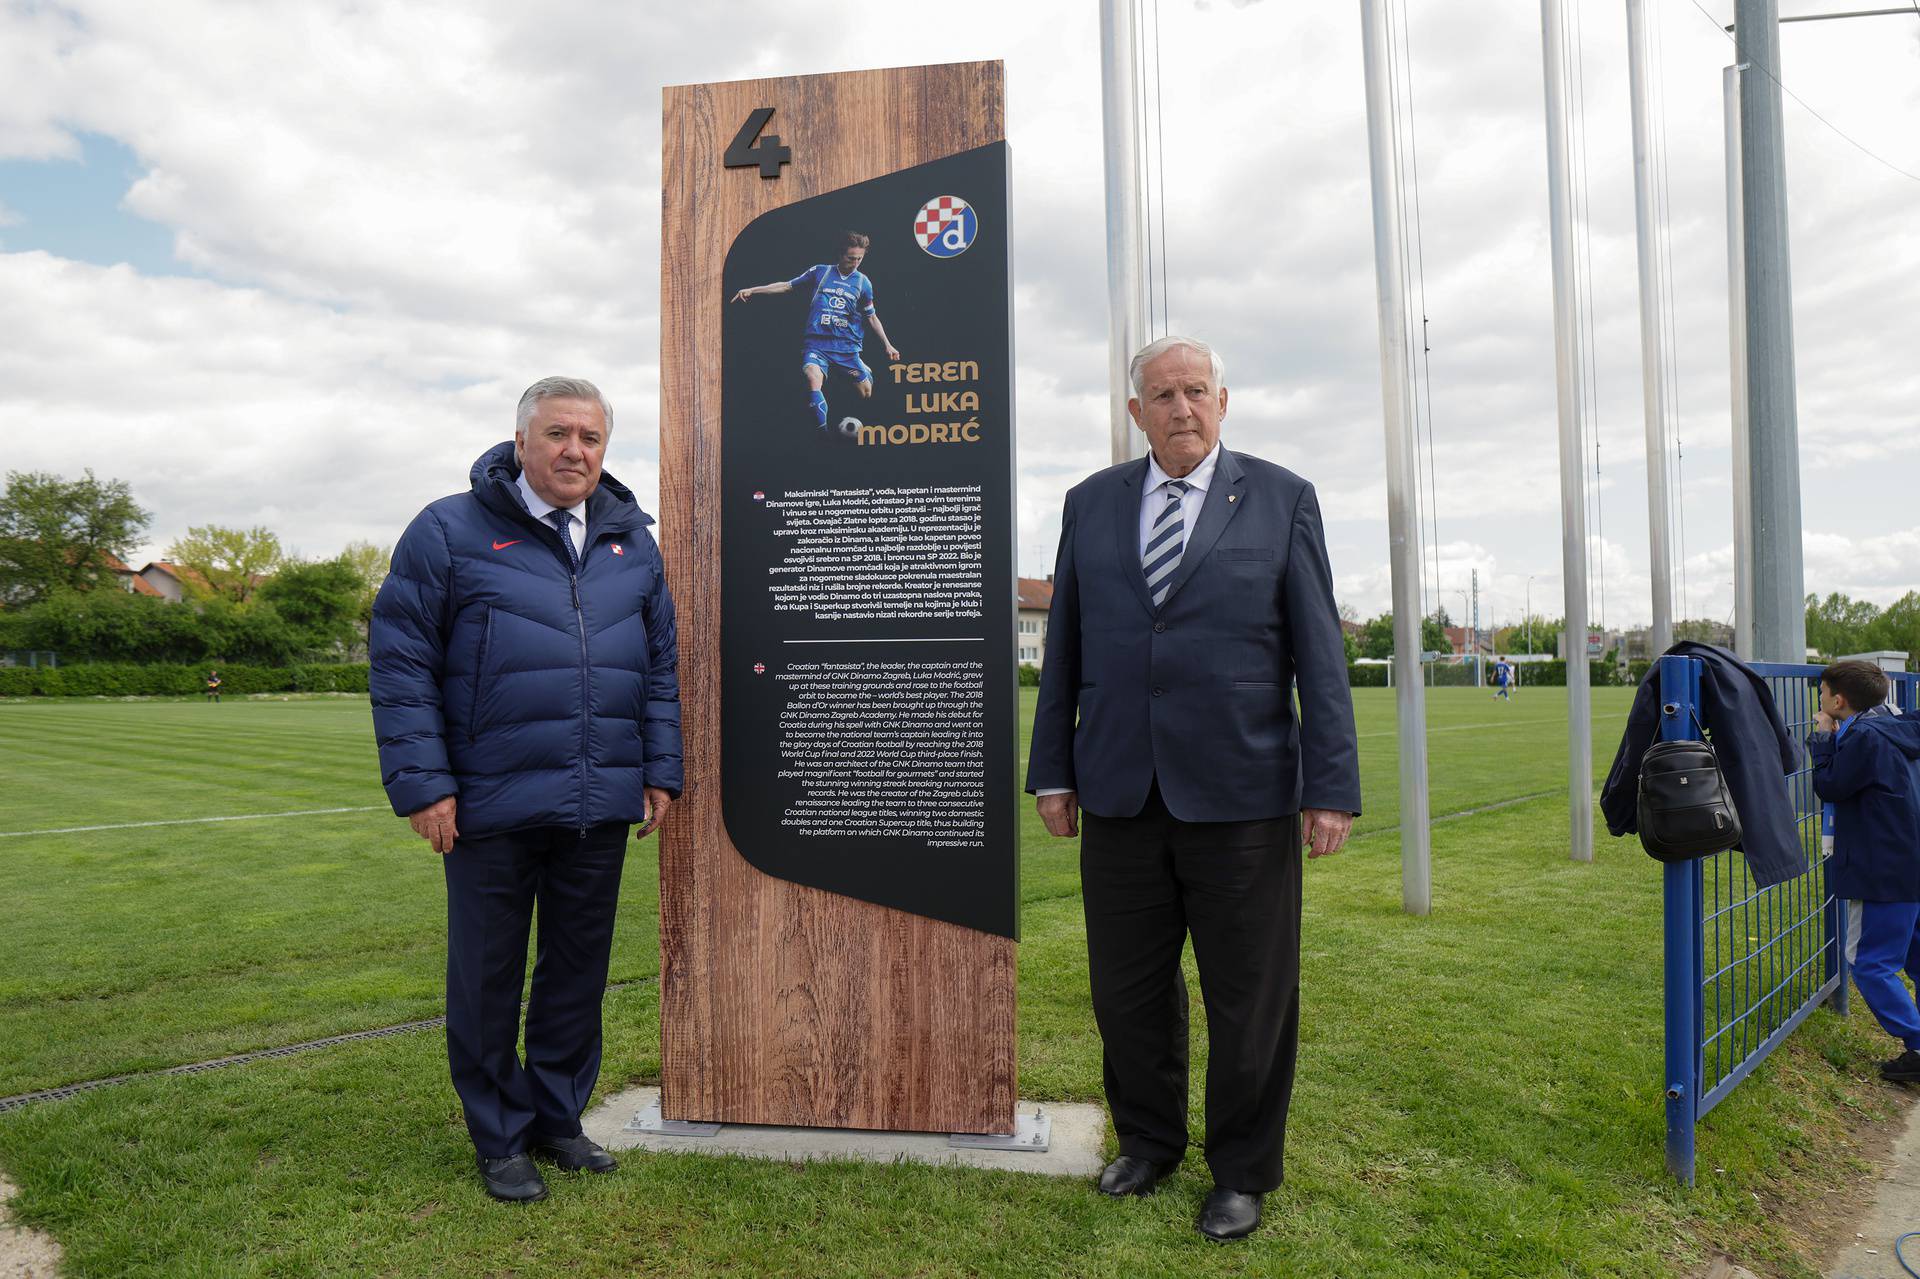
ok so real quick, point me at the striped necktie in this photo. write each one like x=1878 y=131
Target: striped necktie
x=563 y=520
x=1165 y=542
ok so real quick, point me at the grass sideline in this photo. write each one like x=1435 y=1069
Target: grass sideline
x=1478 y=1090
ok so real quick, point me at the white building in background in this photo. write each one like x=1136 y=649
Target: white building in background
x=1034 y=598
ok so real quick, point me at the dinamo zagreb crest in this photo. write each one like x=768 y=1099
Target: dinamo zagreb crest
x=945 y=226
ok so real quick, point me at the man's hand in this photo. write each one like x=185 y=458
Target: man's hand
x=893 y=352
x=1824 y=723
x=434 y=823
x=1323 y=831
x=743 y=295
x=657 y=802
x=1060 y=812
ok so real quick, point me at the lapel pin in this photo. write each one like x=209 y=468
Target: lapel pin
x=1232 y=496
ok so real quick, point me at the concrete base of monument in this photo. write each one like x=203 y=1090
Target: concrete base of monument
x=1060 y=1140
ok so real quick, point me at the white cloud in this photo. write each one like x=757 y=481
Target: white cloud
x=408 y=212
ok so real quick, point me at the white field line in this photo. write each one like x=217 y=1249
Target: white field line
x=190 y=821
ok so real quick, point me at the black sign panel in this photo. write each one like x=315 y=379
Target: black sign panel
x=867 y=623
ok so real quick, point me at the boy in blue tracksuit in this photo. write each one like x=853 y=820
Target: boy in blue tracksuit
x=1866 y=765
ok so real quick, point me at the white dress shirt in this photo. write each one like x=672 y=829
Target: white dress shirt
x=1153 y=501
x=576 y=527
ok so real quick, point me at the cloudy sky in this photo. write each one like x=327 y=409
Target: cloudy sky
x=290 y=263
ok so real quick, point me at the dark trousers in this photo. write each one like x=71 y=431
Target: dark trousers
x=494 y=883
x=1147 y=882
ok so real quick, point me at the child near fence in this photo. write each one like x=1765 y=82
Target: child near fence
x=1866 y=766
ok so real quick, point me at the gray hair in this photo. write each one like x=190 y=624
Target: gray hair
x=559 y=388
x=1137 y=367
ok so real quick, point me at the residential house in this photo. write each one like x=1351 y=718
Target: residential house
x=1033 y=598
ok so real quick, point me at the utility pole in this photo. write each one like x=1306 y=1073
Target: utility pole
x=1473 y=634
x=1570 y=376
x=1737 y=352
x=1773 y=443
x=1403 y=530
x=1126 y=298
x=1654 y=337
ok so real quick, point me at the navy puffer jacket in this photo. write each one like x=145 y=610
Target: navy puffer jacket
x=537 y=698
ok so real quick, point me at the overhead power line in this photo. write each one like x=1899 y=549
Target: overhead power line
x=1808 y=107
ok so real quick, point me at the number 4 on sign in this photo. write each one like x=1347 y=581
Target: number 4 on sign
x=743 y=153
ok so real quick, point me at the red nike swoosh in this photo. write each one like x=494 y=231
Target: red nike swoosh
x=501 y=546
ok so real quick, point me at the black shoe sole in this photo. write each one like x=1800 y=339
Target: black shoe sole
x=516 y=1199
x=566 y=1163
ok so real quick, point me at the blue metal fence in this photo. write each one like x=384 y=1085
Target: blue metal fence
x=1745 y=966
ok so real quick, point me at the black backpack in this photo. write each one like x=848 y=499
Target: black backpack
x=1685 y=809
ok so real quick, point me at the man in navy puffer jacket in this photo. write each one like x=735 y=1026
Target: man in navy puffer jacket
x=526 y=697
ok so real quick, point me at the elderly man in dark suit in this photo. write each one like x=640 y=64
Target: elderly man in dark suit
x=1191 y=598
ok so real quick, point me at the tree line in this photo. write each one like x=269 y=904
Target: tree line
x=247 y=600
x=1838 y=625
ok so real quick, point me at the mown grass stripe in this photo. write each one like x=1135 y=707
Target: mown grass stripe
x=189 y=821
x=21 y=1100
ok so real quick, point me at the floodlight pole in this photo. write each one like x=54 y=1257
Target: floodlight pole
x=1126 y=298
x=1570 y=377
x=1737 y=352
x=1773 y=428
x=1653 y=331
x=1403 y=530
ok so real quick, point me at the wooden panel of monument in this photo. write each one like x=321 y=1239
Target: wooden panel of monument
x=783 y=1003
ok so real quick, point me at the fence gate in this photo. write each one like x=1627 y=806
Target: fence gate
x=1745 y=966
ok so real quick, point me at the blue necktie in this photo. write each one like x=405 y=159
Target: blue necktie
x=563 y=520
x=1165 y=542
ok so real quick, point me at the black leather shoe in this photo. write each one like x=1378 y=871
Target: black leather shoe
x=1133 y=1175
x=576 y=1154
x=1228 y=1214
x=513 y=1179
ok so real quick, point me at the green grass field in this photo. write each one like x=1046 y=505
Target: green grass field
x=1479 y=1090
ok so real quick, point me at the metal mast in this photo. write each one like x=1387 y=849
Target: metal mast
x=1403 y=529
x=1737 y=351
x=1773 y=441
x=1570 y=376
x=1126 y=297
x=1654 y=338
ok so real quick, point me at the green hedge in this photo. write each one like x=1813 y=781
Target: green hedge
x=106 y=679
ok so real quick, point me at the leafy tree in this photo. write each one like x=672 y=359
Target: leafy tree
x=110 y=626
x=1532 y=634
x=255 y=634
x=318 y=601
x=232 y=562
x=1376 y=635
x=55 y=533
x=1898 y=628
x=1838 y=624
x=370 y=562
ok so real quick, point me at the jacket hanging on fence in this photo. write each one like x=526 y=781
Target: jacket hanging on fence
x=1755 y=753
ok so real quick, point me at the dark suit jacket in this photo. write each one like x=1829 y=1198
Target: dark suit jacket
x=1200 y=691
